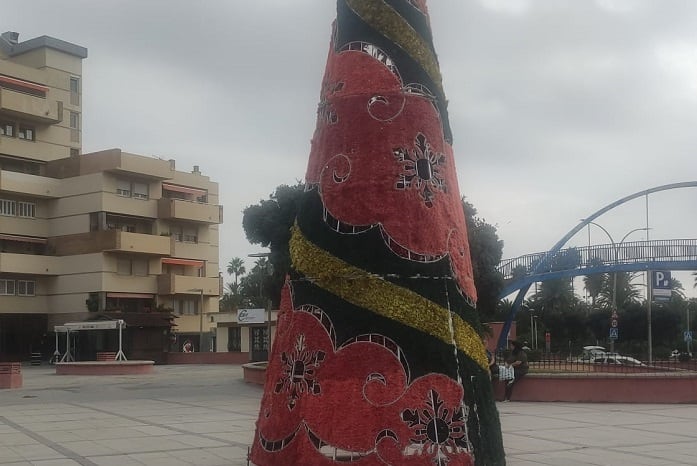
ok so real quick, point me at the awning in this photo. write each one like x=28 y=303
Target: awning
x=130 y=295
x=22 y=83
x=24 y=239
x=184 y=189
x=189 y=262
x=96 y=325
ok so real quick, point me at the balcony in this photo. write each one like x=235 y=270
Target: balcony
x=168 y=284
x=29 y=264
x=110 y=241
x=111 y=160
x=30 y=108
x=30 y=185
x=176 y=209
x=21 y=226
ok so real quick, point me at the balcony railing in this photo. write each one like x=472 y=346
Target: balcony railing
x=112 y=241
x=29 y=264
x=177 y=209
x=31 y=108
x=168 y=284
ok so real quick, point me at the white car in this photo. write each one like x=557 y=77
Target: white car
x=612 y=358
x=590 y=353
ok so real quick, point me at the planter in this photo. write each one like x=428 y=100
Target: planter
x=10 y=375
x=255 y=372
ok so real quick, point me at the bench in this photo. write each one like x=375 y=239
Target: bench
x=106 y=356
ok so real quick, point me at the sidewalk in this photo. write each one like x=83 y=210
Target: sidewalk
x=204 y=416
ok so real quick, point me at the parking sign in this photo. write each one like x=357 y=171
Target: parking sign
x=660 y=285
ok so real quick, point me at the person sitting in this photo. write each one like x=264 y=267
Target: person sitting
x=518 y=361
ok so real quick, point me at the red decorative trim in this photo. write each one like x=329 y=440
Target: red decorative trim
x=324 y=405
x=383 y=159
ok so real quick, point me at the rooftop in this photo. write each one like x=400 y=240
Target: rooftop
x=10 y=45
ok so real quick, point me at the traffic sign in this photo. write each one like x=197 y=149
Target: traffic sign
x=660 y=285
x=614 y=333
x=687 y=335
x=614 y=323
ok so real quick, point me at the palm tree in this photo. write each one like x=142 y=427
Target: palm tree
x=677 y=291
x=594 y=283
x=621 y=284
x=236 y=267
x=554 y=296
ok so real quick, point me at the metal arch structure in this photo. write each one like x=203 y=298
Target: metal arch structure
x=545 y=260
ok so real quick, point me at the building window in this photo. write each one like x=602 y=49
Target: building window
x=26 y=209
x=186 y=307
x=74 y=91
x=140 y=190
x=7 y=287
x=184 y=234
x=234 y=339
x=26 y=288
x=123 y=266
x=134 y=189
x=74 y=127
x=123 y=188
x=8 y=208
x=139 y=267
x=7 y=129
x=26 y=133
x=74 y=120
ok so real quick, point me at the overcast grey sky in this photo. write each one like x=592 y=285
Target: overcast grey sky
x=557 y=107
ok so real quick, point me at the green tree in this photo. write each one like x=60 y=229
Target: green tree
x=486 y=250
x=554 y=297
x=236 y=267
x=268 y=224
x=677 y=291
x=594 y=283
x=232 y=299
x=627 y=292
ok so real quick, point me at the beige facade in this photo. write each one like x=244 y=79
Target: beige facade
x=121 y=231
x=245 y=336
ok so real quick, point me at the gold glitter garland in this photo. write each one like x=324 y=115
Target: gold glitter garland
x=385 y=19
x=371 y=292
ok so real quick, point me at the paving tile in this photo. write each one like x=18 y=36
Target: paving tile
x=205 y=416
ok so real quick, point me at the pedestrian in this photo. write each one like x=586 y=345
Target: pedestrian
x=518 y=360
x=188 y=347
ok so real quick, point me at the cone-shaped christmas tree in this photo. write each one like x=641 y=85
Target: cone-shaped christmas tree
x=378 y=358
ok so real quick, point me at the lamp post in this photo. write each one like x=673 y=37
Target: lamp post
x=616 y=250
x=266 y=304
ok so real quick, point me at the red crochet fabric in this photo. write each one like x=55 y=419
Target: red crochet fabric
x=368 y=116
x=322 y=398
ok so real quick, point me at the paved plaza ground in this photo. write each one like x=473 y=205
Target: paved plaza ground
x=204 y=415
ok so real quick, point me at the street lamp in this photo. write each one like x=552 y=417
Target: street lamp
x=200 y=324
x=616 y=249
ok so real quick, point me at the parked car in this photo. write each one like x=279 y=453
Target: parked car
x=613 y=358
x=590 y=352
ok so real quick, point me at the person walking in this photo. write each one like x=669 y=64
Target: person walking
x=518 y=360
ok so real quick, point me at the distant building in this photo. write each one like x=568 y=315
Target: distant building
x=86 y=235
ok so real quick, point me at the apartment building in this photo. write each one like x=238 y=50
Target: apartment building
x=84 y=236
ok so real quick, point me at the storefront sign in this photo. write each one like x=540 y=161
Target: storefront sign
x=251 y=316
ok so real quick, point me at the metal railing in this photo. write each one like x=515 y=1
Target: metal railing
x=673 y=250
x=557 y=364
